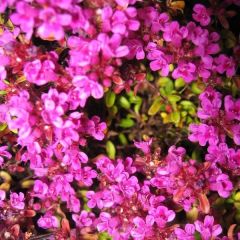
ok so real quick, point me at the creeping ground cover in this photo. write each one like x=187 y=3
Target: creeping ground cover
x=119 y=119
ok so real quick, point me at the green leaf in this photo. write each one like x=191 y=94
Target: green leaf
x=126 y=123
x=124 y=103
x=179 y=83
x=122 y=138
x=3 y=126
x=174 y=98
x=111 y=150
x=104 y=236
x=110 y=98
x=187 y=105
x=2 y=92
x=149 y=77
x=195 y=88
x=155 y=107
x=175 y=117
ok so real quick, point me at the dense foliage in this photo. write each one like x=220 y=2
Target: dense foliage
x=119 y=119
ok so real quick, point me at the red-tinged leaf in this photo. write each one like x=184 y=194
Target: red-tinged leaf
x=140 y=76
x=231 y=13
x=230 y=232
x=223 y=21
x=138 y=86
x=117 y=79
x=15 y=230
x=29 y=213
x=20 y=169
x=206 y=165
x=179 y=194
x=203 y=203
x=65 y=225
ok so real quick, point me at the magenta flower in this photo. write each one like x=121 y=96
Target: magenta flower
x=73 y=204
x=203 y=133
x=210 y=104
x=201 y=14
x=232 y=108
x=174 y=33
x=145 y=146
x=55 y=105
x=87 y=87
x=48 y=221
x=218 y=153
x=4 y=153
x=160 y=22
x=98 y=129
x=222 y=185
x=85 y=219
x=26 y=21
x=86 y=176
x=142 y=227
x=205 y=66
x=17 y=200
x=40 y=189
x=187 y=233
x=135 y=47
x=184 y=70
x=2 y=197
x=236 y=133
x=162 y=215
x=39 y=72
x=196 y=34
x=106 y=223
x=111 y=47
x=53 y=23
x=207 y=229
x=225 y=64
x=94 y=199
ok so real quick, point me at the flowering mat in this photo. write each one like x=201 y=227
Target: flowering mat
x=119 y=119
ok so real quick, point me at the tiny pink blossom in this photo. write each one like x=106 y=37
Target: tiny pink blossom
x=17 y=200
x=201 y=14
x=48 y=221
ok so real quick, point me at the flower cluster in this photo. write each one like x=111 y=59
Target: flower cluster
x=63 y=55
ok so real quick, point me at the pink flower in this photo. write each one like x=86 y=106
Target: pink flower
x=207 y=229
x=48 y=221
x=39 y=72
x=53 y=23
x=187 y=233
x=85 y=219
x=232 y=108
x=87 y=87
x=203 y=133
x=144 y=145
x=17 y=200
x=225 y=64
x=174 y=33
x=106 y=223
x=99 y=128
x=160 y=22
x=222 y=185
x=55 y=105
x=185 y=70
x=4 y=153
x=2 y=195
x=40 y=189
x=26 y=21
x=211 y=102
x=73 y=204
x=162 y=215
x=142 y=227
x=135 y=47
x=201 y=14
